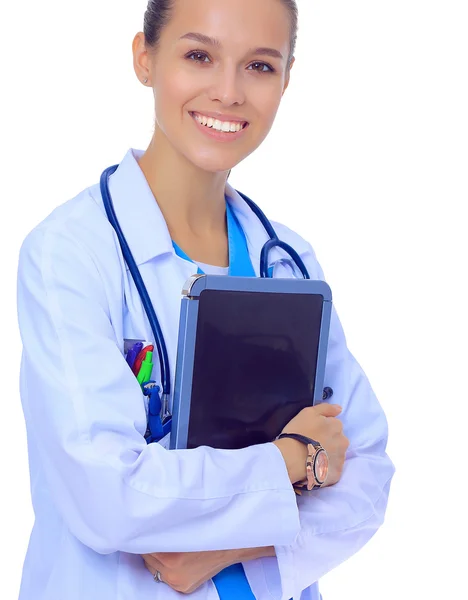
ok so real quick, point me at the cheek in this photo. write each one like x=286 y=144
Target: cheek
x=266 y=107
x=265 y=98
x=271 y=104
x=180 y=89
x=175 y=90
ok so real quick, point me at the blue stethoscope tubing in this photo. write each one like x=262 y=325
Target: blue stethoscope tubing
x=273 y=242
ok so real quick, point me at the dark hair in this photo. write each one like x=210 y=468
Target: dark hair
x=158 y=14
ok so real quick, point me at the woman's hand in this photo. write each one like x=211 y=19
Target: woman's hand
x=319 y=423
x=184 y=572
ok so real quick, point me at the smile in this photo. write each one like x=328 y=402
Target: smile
x=216 y=124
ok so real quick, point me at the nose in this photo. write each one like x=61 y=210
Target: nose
x=227 y=86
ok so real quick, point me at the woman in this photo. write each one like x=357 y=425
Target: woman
x=113 y=514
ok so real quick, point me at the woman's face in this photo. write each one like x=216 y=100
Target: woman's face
x=238 y=77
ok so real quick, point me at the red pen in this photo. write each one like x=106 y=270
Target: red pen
x=140 y=358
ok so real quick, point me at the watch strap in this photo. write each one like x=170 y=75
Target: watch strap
x=305 y=483
x=300 y=438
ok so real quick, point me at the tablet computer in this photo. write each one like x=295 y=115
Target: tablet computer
x=251 y=355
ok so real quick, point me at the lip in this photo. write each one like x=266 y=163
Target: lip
x=219 y=116
x=219 y=136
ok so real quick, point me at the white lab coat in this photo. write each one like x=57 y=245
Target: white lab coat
x=101 y=495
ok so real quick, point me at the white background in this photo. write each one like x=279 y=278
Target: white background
x=367 y=159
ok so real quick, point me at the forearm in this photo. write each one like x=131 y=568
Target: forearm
x=225 y=558
x=247 y=554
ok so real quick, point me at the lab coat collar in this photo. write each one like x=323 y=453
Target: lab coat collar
x=139 y=215
x=143 y=223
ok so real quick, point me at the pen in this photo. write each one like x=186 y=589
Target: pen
x=140 y=358
x=133 y=352
x=146 y=368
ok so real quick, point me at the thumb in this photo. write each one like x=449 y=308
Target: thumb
x=328 y=410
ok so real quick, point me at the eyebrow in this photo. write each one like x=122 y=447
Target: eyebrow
x=209 y=41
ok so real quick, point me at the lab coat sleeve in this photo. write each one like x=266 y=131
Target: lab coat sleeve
x=337 y=521
x=85 y=416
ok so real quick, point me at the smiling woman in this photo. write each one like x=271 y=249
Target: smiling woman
x=115 y=512
x=199 y=55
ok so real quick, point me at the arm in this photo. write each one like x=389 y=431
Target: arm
x=85 y=409
x=186 y=571
x=337 y=521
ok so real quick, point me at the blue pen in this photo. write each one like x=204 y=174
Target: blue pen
x=133 y=353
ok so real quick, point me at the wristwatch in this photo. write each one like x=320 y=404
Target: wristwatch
x=316 y=463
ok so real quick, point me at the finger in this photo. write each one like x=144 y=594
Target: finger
x=336 y=425
x=157 y=576
x=152 y=563
x=151 y=568
x=154 y=570
x=327 y=410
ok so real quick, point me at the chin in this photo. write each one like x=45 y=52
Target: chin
x=213 y=163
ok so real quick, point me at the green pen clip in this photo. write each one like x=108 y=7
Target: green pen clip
x=146 y=369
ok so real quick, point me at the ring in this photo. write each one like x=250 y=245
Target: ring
x=157 y=577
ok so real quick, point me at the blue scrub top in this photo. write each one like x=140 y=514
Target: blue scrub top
x=240 y=264
x=232 y=583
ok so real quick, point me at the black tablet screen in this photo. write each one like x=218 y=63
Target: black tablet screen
x=254 y=365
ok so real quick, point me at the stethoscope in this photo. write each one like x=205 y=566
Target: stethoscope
x=273 y=242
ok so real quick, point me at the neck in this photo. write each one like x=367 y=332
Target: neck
x=191 y=200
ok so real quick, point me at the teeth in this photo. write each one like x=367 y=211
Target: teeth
x=225 y=126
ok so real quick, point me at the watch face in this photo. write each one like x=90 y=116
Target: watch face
x=321 y=466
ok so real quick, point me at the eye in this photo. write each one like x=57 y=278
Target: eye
x=199 y=56
x=261 y=69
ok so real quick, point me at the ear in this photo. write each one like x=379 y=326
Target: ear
x=141 y=59
x=288 y=75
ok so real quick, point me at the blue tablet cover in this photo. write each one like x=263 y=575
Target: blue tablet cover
x=251 y=355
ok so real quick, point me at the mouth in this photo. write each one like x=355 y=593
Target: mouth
x=225 y=126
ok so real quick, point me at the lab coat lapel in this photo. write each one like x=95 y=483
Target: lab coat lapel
x=139 y=215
